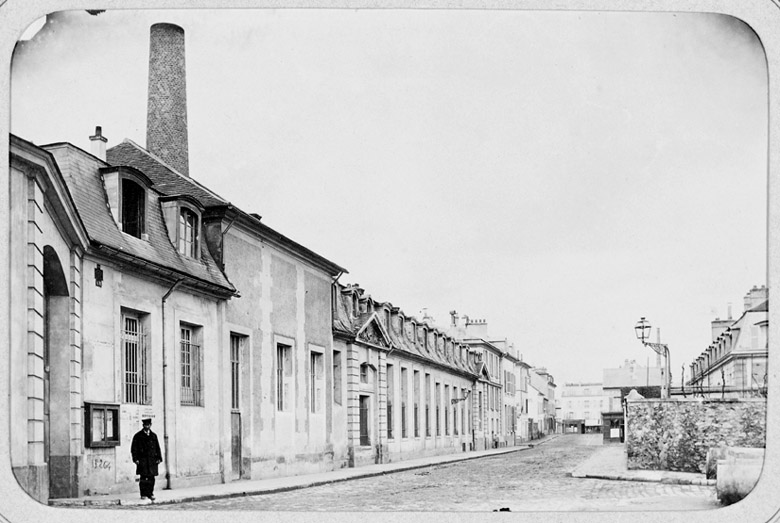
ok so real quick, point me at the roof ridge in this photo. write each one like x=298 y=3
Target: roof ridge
x=173 y=170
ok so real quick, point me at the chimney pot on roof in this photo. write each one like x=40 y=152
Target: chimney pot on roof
x=98 y=147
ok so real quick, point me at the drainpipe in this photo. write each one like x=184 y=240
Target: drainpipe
x=165 y=388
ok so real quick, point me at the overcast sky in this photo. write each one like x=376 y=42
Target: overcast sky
x=556 y=174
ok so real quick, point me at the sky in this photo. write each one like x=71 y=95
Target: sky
x=557 y=174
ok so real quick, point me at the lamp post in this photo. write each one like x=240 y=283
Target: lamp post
x=642 y=329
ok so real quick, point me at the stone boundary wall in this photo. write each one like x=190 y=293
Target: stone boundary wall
x=675 y=434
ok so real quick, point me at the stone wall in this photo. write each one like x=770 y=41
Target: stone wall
x=675 y=434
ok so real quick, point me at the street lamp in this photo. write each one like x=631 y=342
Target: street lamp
x=642 y=329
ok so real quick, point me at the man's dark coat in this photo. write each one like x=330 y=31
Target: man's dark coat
x=146 y=451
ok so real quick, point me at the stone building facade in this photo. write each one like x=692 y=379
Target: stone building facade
x=138 y=292
x=735 y=363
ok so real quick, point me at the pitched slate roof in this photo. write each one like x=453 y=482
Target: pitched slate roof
x=81 y=173
x=171 y=183
x=166 y=180
x=400 y=338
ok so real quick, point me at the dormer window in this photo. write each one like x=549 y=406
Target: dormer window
x=126 y=190
x=182 y=218
x=133 y=208
x=188 y=232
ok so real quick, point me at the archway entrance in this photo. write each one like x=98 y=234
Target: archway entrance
x=56 y=378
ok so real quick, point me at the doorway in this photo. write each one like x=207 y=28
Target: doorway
x=62 y=470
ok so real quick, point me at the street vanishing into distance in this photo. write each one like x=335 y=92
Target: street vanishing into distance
x=537 y=479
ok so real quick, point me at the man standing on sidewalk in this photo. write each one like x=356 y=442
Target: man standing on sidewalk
x=146 y=456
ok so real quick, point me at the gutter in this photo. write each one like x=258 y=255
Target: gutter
x=165 y=388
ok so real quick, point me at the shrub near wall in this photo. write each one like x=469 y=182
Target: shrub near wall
x=675 y=434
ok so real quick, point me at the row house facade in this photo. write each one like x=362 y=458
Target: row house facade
x=410 y=388
x=735 y=363
x=136 y=292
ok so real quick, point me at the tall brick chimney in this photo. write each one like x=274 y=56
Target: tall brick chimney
x=166 y=116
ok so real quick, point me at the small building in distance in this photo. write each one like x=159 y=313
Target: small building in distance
x=582 y=405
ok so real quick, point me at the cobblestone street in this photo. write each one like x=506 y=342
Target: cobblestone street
x=530 y=480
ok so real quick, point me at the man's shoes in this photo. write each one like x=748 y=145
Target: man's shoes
x=151 y=497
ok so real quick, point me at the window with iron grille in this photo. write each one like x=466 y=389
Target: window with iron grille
x=236 y=344
x=135 y=360
x=191 y=366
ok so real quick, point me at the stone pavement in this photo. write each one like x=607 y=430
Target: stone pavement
x=282 y=484
x=610 y=462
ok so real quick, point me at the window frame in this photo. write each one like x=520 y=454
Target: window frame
x=191 y=249
x=139 y=392
x=142 y=208
x=193 y=348
x=284 y=376
x=89 y=411
x=316 y=379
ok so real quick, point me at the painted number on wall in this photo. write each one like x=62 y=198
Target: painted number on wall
x=100 y=463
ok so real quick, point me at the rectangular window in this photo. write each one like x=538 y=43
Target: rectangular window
x=135 y=359
x=437 y=399
x=188 y=233
x=283 y=376
x=365 y=439
x=133 y=208
x=316 y=381
x=479 y=421
x=101 y=425
x=191 y=366
x=236 y=344
x=454 y=414
x=446 y=410
x=337 y=377
x=404 y=392
x=427 y=405
x=390 y=400
x=463 y=413
x=416 y=413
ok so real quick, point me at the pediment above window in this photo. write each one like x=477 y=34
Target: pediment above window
x=373 y=333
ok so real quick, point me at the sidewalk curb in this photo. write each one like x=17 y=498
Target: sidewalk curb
x=668 y=481
x=397 y=467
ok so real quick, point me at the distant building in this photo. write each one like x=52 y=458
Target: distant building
x=544 y=383
x=581 y=407
x=735 y=363
x=618 y=382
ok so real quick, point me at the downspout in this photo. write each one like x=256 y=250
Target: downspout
x=165 y=388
